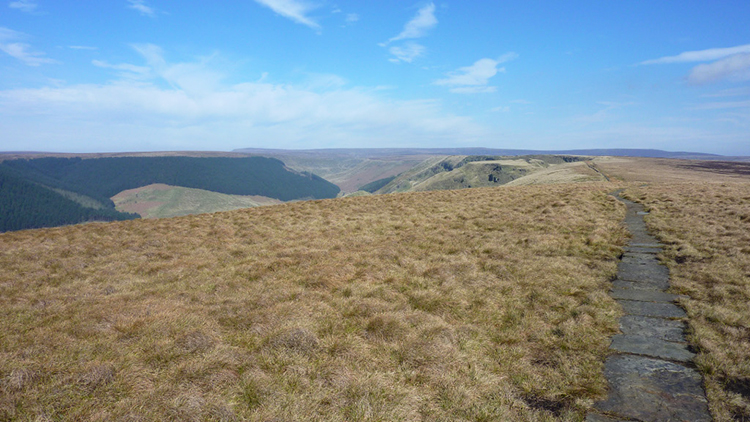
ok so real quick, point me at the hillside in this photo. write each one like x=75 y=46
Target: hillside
x=164 y=201
x=375 y=308
x=352 y=168
x=27 y=205
x=459 y=172
x=92 y=182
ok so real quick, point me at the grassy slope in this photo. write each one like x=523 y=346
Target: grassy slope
x=560 y=173
x=704 y=219
x=480 y=304
x=439 y=173
x=162 y=201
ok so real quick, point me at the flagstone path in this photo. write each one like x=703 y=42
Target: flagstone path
x=650 y=373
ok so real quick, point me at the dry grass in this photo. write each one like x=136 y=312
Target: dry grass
x=481 y=304
x=706 y=227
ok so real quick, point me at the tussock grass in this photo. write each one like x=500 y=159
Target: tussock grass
x=481 y=304
x=706 y=227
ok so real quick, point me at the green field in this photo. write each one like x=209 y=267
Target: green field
x=163 y=201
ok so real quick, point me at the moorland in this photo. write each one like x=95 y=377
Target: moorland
x=488 y=303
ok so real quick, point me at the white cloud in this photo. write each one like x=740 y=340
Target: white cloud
x=406 y=53
x=419 y=25
x=352 y=17
x=474 y=79
x=128 y=70
x=173 y=107
x=82 y=47
x=140 y=5
x=295 y=10
x=19 y=50
x=9 y=34
x=27 y=6
x=731 y=64
x=734 y=68
x=701 y=55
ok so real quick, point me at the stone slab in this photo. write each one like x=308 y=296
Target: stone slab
x=653 y=390
x=643 y=295
x=640 y=258
x=652 y=309
x=661 y=285
x=643 y=249
x=642 y=272
x=649 y=245
x=658 y=328
x=652 y=347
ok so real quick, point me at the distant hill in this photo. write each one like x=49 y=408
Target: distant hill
x=461 y=171
x=92 y=182
x=353 y=169
x=393 y=152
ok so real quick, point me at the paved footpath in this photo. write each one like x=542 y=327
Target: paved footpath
x=650 y=373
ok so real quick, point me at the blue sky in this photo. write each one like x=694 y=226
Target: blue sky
x=149 y=75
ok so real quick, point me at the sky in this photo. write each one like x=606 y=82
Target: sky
x=157 y=75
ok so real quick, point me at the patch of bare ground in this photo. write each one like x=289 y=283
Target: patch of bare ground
x=706 y=227
x=480 y=304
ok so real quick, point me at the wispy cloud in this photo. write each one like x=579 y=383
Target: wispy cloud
x=295 y=10
x=127 y=70
x=140 y=5
x=82 y=47
x=733 y=68
x=701 y=55
x=732 y=64
x=27 y=6
x=352 y=17
x=475 y=78
x=9 y=43
x=166 y=106
x=419 y=25
x=407 y=52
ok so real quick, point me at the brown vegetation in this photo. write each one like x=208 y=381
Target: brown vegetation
x=706 y=227
x=701 y=211
x=480 y=304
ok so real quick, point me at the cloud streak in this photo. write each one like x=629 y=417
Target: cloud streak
x=733 y=68
x=418 y=26
x=26 y=6
x=406 y=53
x=295 y=10
x=732 y=64
x=140 y=6
x=701 y=55
x=9 y=44
x=475 y=78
